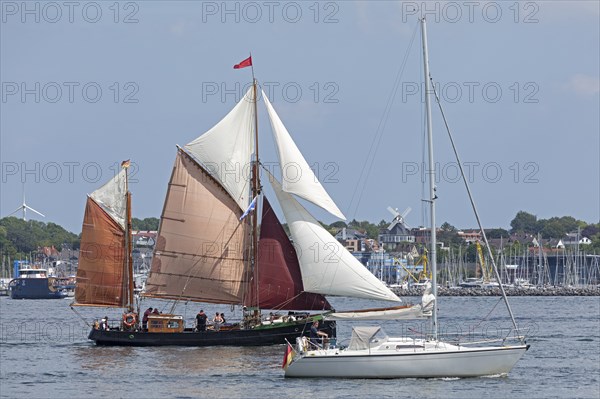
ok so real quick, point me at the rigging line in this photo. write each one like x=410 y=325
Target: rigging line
x=462 y=172
x=379 y=132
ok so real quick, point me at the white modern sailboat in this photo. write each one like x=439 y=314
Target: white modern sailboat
x=370 y=355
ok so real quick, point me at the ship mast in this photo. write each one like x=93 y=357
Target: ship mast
x=128 y=244
x=431 y=175
x=255 y=190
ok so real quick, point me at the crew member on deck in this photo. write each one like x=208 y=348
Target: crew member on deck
x=201 y=321
x=315 y=333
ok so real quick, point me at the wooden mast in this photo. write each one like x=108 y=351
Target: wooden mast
x=128 y=243
x=255 y=188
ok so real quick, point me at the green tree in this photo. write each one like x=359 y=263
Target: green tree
x=149 y=224
x=524 y=223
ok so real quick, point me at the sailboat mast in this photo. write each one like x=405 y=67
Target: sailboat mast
x=128 y=244
x=255 y=190
x=431 y=174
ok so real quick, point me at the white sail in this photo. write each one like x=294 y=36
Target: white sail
x=298 y=177
x=111 y=197
x=327 y=267
x=225 y=150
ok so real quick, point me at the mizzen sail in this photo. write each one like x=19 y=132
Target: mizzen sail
x=298 y=177
x=201 y=247
x=102 y=276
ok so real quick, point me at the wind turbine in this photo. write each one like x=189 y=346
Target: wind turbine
x=24 y=207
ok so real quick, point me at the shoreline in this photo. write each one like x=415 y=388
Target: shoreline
x=545 y=291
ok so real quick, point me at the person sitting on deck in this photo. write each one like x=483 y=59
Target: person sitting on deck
x=218 y=320
x=201 y=321
x=104 y=324
x=314 y=335
x=223 y=318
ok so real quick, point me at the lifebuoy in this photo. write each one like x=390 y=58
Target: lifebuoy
x=129 y=319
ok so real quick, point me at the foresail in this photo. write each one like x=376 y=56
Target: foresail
x=225 y=150
x=298 y=177
x=277 y=278
x=202 y=245
x=327 y=267
x=101 y=276
x=111 y=197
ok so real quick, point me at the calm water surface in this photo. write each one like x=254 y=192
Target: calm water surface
x=44 y=353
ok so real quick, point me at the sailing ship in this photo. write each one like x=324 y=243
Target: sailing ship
x=373 y=355
x=208 y=247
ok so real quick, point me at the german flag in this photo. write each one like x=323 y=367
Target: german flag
x=287 y=358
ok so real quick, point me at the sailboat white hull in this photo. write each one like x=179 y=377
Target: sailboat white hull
x=404 y=358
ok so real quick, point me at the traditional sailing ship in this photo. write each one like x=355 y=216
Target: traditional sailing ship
x=371 y=356
x=208 y=249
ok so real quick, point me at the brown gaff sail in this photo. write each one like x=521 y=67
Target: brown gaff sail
x=277 y=277
x=101 y=276
x=202 y=246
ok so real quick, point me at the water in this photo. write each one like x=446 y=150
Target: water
x=44 y=353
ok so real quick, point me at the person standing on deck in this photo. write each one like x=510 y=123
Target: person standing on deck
x=145 y=319
x=201 y=321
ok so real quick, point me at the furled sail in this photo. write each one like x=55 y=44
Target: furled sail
x=278 y=277
x=224 y=151
x=327 y=267
x=298 y=177
x=202 y=245
x=101 y=275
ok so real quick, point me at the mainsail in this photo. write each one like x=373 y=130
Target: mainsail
x=298 y=177
x=327 y=267
x=201 y=247
x=277 y=277
x=102 y=278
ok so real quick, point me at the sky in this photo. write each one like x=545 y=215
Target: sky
x=86 y=85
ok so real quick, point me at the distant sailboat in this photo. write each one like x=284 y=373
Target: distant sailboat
x=371 y=356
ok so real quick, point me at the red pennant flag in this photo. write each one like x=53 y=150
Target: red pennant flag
x=246 y=63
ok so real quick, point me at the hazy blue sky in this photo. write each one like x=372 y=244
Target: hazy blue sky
x=86 y=85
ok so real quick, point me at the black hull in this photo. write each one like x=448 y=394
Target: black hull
x=271 y=335
x=33 y=288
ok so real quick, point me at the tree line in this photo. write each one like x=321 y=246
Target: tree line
x=19 y=237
